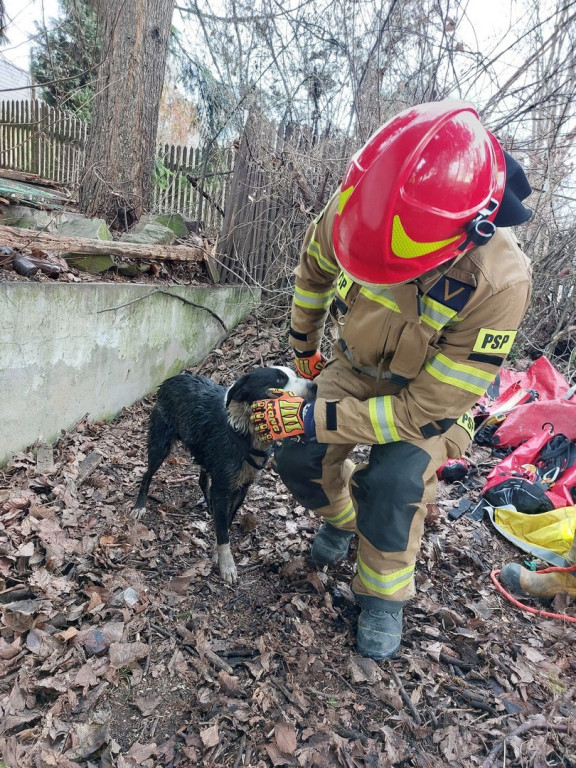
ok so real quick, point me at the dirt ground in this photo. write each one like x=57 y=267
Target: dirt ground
x=120 y=645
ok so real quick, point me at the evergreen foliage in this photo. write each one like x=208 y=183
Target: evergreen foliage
x=66 y=58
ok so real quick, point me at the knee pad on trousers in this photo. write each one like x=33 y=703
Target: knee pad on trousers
x=387 y=493
x=299 y=463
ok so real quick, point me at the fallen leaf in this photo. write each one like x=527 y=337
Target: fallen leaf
x=146 y=704
x=141 y=752
x=87 y=738
x=40 y=643
x=179 y=584
x=124 y=654
x=286 y=738
x=25 y=550
x=228 y=683
x=364 y=670
x=277 y=758
x=210 y=736
x=86 y=677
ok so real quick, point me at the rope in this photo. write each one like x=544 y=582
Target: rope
x=536 y=611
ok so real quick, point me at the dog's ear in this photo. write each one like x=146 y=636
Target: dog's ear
x=240 y=391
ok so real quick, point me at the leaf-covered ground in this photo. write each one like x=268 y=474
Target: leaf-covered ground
x=121 y=646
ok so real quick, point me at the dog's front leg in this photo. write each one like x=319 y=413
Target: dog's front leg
x=223 y=554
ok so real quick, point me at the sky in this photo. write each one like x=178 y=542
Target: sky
x=21 y=15
x=489 y=17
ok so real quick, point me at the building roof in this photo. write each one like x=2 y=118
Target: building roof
x=14 y=82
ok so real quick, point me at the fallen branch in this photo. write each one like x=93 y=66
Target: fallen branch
x=18 y=238
x=537 y=722
x=447 y=659
x=405 y=698
x=240 y=751
x=474 y=700
x=194 y=182
x=284 y=690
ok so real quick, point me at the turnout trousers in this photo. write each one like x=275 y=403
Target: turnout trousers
x=383 y=501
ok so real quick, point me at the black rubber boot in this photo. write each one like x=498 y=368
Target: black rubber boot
x=330 y=545
x=379 y=627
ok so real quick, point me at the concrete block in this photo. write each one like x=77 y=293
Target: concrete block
x=71 y=349
x=173 y=221
x=153 y=234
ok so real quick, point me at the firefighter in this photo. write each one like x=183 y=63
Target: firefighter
x=426 y=291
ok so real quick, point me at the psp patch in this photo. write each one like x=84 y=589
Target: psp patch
x=344 y=284
x=489 y=340
x=466 y=421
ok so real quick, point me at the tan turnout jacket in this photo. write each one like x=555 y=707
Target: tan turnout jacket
x=439 y=340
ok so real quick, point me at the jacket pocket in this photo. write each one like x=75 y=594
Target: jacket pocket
x=415 y=346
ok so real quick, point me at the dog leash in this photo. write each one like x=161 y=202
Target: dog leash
x=260 y=454
x=251 y=453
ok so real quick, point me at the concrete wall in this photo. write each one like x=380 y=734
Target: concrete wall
x=71 y=349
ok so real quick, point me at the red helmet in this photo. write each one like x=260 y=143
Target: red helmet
x=425 y=187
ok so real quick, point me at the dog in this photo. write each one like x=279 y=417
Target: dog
x=214 y=424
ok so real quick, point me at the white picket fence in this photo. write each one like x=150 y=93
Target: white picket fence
x=39 y=139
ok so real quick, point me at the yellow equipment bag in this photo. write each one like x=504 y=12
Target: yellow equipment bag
x=547 y=535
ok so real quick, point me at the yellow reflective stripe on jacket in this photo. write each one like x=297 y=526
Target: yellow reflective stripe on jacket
x=434 y=314
x=382 y=296
x=384 y=584
x=312 y=299
x=315 y=251
x=347 y=514
x=382 y=419
x=459 y=375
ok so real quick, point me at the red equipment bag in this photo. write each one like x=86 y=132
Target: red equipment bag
x=538 y=476
x=525 y=403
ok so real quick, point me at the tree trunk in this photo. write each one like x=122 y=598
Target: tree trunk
x=121 y=147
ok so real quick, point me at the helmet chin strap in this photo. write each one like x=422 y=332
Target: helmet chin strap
x=480 y=230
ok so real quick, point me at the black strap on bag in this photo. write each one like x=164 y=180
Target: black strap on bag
x=529 y=496
x=558 y=455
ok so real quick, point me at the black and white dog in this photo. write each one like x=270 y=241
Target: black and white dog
x=214 y=424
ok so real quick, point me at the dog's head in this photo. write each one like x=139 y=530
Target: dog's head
x=257 y=385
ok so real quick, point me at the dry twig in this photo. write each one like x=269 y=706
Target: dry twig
x=537 y=722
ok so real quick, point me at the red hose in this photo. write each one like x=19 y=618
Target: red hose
x=518 y=604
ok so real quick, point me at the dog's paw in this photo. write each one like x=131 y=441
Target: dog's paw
x=138 y=513
x=226 y=564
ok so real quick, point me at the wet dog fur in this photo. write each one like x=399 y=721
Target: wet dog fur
x=214 y=424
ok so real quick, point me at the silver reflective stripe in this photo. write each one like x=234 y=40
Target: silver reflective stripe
x=311 y=299
x=381 y=413
x=459 y=375
x=434 y=314
x=384 y=584
x=315 y=251
x=381 y=295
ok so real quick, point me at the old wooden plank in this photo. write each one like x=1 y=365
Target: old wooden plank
x=27 y=178
x=25 y=238
x=88 y=465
